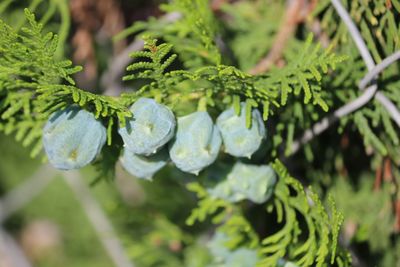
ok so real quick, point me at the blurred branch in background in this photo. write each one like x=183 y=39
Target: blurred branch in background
x=32 y=187
x=352 y=106
x=94 y=19
x=24 y=193
x=11 y=254
x=98 y=219
x=367 y=57
x=368 y=94
x=295 y=14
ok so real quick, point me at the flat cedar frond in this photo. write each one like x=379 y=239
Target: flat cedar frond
x=157 y=54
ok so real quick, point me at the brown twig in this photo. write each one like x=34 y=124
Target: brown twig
x=216 y=5
x=322 y=37
x=389 y=4
x=378 y=178
x=25 y=192
x=397 y=216
x=387 y=170
x=93 y=20
x=293 y=16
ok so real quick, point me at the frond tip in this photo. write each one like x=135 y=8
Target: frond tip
x=158 y=60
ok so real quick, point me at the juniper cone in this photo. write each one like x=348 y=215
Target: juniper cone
x=290 y=264
x=196 y=144
x=217 y=247
x=151 y=127
x=144 y=166
x=240 y=141
x=223 y=190
x=72 y=138
x=240 y=257
x=246 y=181
x=256 y=182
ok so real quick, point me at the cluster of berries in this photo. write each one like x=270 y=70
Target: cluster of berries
x=73 y=138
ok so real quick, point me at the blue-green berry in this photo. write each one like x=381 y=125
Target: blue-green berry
x=255 y=182
x=240 y=141
x=246 y=181
x=217 y=246
x=144 y=166
x=240 y=257
x=283 y=263
x=72 y=138
x=224 y=190
x=196 y=144
x=151 y=127
x=290 y=264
